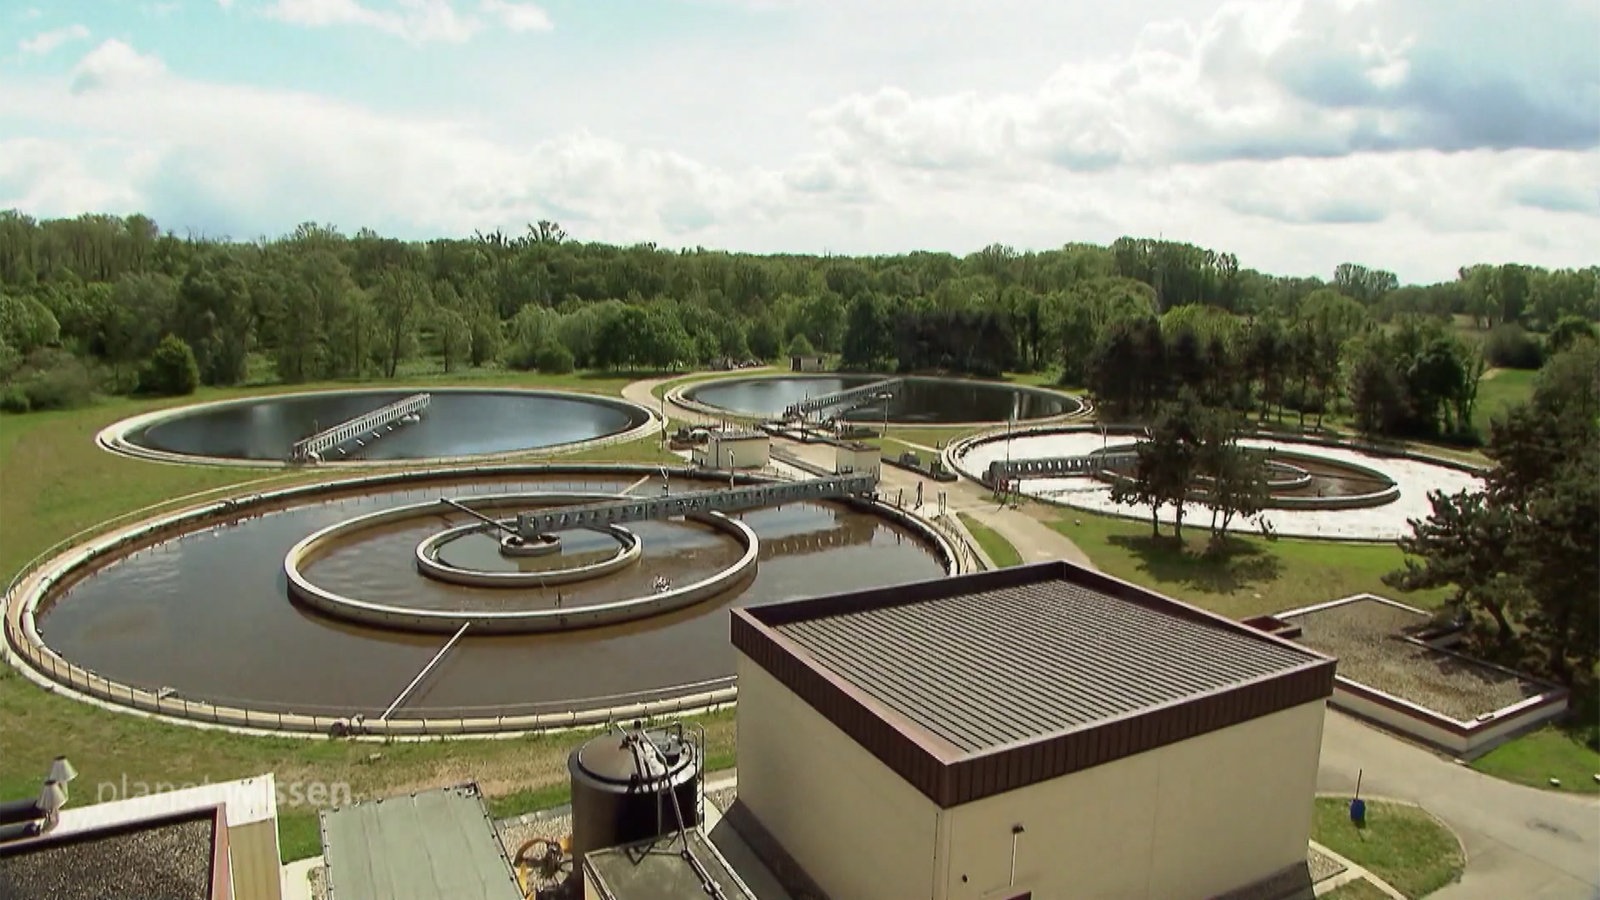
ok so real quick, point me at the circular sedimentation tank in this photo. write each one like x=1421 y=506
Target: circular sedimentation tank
x=458 y=423
x=919 y=400
x=1322 y=490
x=199 y=611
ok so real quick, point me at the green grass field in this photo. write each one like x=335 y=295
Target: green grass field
x=1403 y=845
x=1257 y=576
x=999 y=549
x=1499 y=389
x=1535 y=758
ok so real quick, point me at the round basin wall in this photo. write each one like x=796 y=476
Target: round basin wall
x=207 y=613
x=919 y=401
x=456 y=423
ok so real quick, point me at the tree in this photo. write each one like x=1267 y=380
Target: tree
x=1567 y=331
x=553 y=359
x=454 y=334
x=1524 y=549
x=172 y=370
x=868 y=335
x=1235 y=478
x=801 y=346
x=402 y=300
x=1168 y=461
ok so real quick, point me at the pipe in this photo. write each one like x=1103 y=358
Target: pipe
x=425 y=670
x=12 y=811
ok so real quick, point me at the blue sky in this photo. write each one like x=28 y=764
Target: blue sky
x=1416 y=135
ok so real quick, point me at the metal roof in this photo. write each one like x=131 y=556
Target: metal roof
x=992 y=667
x=436 y=845
x=977 y=684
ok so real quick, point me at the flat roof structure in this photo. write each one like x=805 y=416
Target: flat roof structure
x=172 y=857
x=434 y=845
x=975 y=685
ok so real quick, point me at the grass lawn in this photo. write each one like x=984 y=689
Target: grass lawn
x=998 y=548
x=1360 y=889
x=1535 y=758
x=1498 y=390
x=1401 y=844
x=54 y=482
x=1257 y=576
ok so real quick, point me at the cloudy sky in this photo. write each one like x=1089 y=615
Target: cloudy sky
x=1413 y=135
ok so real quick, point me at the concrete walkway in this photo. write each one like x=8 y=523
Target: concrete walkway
x=1520 y=842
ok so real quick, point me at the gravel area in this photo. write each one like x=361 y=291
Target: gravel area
x=171 y=862
x=1322 y=866
x=1366 y=637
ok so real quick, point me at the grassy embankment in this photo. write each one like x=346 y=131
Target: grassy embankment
x=54 y=483
x=1402 y=844
x=1256 y=576
x=1569 y=756
x=997 y=547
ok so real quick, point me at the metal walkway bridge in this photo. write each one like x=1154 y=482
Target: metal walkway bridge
x=615 y=512
x=856 y=395
x=363 y=424
x=1058 y=466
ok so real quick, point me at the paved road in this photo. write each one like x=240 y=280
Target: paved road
x=1521 y=842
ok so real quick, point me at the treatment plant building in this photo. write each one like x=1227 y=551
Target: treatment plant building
x=1035 y=732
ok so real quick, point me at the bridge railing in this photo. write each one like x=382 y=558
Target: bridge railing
x=839 y=398
x=592 y=515
x=328 y=438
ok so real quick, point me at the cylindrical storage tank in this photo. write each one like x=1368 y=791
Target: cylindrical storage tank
x=623 y=790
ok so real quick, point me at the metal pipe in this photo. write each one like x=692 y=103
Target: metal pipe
x=478 y=515
x=425 y=670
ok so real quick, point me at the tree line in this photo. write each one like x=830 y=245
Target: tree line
x=86 y=302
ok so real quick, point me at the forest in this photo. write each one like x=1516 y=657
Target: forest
x=114 y=305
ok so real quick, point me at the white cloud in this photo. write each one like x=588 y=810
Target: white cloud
x=225 y=4
x=114 y=64
x=418 y=21
x=1189 y=133
x=46 y=41
x=518 y=16
x=1319 y=78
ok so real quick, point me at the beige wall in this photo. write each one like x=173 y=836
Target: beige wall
x=747 y=453
x=1190 y=820
x=253 y=850
x=856 y=827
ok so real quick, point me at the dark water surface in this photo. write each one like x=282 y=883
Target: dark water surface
x=456 y=423
x=922 y=401
x=208 y=613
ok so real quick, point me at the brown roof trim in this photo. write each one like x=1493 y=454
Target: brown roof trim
x=949 y=777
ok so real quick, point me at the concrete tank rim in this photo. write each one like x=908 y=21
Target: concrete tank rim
x=113 y=438
x=682 y=395
x=38 y=582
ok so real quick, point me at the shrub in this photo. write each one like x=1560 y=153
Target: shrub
x=801 y=346
x=1508 y=346
x=172 y=369
x=49 y=379
x=553 y=359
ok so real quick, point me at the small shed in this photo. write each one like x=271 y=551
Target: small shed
x=746 y=448
x=812 y=363
x=856 y=458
